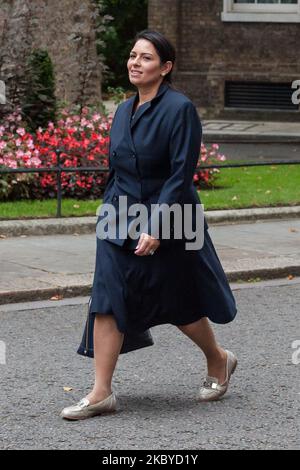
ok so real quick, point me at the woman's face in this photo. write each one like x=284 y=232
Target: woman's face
x=144 y=65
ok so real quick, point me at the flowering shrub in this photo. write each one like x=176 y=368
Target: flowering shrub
x=206 y=178
x=83 y=140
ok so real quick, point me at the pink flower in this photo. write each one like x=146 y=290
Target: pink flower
x=96 y=117
x=19 y=154
x=83 y=122
x=11 y=163
x=30 y=144
x=21 y=131
x=35 y=162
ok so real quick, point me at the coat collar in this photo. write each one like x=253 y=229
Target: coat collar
x=163 y=87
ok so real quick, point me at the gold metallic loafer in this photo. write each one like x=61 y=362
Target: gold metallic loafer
x=211 y=389
x=83 y=409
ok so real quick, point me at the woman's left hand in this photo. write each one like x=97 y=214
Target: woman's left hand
x=146 y=244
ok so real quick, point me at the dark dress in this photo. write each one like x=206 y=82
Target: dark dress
x=175 y=285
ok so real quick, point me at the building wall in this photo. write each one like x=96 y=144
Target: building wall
x=210 y=51
x=66 y=30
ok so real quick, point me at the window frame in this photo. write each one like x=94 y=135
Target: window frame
x=277 y=13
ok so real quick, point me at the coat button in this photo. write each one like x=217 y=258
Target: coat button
x=133 y=155
x=118 y=177
x=115 y=198
x=114 y=153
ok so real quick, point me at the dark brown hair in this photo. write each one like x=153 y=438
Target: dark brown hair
x=163 y=46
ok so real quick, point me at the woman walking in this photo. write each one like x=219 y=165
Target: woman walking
x=155 y=140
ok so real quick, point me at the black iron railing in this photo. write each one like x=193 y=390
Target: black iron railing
x=59 y=169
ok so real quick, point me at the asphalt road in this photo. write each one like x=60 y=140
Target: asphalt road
x=156 y=386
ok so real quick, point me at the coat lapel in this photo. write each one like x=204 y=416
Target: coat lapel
x=141 y=110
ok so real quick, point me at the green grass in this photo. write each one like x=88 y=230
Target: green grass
x=47 y=208
x=275 y=185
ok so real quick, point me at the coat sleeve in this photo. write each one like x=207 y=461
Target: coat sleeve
x=111 y=175
x=184 y=150
x=110 y=179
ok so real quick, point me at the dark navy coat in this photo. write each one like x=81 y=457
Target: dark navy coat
x=154 y=155
x=152 y=159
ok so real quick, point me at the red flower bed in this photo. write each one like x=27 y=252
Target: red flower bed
x=83 y=140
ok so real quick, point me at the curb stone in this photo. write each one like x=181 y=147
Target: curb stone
x=84 y=225
x=252 y=275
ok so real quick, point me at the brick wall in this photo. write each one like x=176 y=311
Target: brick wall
x=210 y=51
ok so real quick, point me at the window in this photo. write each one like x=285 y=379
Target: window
x=282 y=11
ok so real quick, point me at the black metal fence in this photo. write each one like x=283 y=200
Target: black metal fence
x=59 y=169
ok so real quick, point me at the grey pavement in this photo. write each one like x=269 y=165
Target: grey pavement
x=257 y=152
x=156 y=386
x=256 y=131
x=39 y=267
